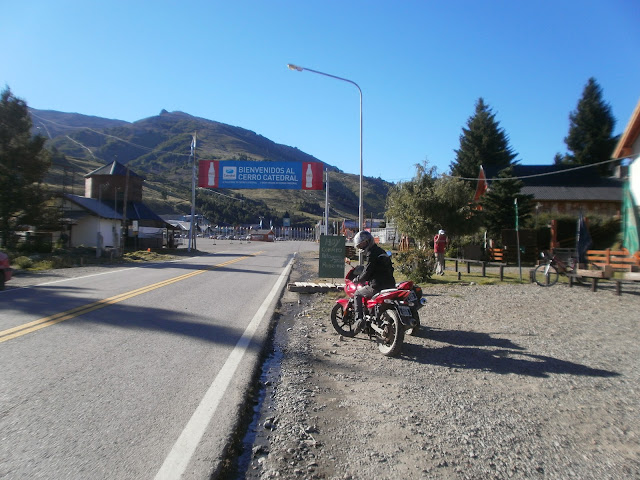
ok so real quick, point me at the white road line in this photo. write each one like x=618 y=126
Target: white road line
x=178 y=459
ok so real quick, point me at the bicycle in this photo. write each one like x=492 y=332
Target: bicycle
x=547 y=273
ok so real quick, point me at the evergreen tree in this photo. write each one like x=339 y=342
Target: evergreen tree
x=23 y=165
x=591 y=126
x=482 y=142
x=498 y=208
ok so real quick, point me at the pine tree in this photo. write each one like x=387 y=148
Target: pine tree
x=23 y=165
x=591 y=126
x=498 y=204
x=482 y=142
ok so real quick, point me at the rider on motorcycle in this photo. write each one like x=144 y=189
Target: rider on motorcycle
x=378 y=271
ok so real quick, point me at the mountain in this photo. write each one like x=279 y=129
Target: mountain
x=50 y=123
x=158 y=148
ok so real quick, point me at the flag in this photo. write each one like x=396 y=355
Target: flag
x=630 y=223
x=583 y=241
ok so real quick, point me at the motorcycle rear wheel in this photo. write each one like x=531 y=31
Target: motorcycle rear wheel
x=390 y=344
x=343 y=321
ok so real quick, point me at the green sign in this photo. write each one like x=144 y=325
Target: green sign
x=331 y=256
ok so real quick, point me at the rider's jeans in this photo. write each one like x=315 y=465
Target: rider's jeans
x=365 y=291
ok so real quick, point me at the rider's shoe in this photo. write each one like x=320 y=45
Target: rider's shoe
x=362 y=324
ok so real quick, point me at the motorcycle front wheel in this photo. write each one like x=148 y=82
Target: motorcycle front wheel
x=343 y=321
x=390 y=343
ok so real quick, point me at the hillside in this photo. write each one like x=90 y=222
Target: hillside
x=158 y=148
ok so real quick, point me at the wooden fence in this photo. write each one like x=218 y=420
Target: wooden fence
x=619 y=260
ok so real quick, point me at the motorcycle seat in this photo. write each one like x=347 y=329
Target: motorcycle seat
x=386 y=290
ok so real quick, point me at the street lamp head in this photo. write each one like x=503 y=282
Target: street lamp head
x=291 y=66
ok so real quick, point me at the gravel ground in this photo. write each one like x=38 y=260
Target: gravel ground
x=503 y=381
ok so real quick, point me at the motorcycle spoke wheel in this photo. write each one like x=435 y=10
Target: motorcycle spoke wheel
x=390 y=344
x=546 y=275
x=343 y=321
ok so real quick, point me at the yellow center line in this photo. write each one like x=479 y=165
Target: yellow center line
x=77 y=311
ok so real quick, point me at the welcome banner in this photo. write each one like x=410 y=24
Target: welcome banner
x=237 y=174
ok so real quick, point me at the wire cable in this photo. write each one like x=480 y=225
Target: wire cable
x=141 y=147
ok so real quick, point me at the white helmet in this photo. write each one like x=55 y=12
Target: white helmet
x=363 y=240
x=441 y=232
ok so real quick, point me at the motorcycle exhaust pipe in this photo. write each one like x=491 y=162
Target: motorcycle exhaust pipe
x=423 y=301
x=410 y=323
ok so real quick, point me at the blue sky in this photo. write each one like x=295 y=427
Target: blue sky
x=421 y=65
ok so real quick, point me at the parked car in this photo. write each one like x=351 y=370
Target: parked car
x=5 y=270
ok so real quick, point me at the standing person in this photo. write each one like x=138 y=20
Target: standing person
x=378 y=271
x=440 y=244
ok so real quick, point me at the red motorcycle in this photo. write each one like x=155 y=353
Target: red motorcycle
x=388 y=315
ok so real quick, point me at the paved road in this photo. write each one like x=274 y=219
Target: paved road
x=134 y=373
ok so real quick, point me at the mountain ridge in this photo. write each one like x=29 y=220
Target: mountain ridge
x=158 y=148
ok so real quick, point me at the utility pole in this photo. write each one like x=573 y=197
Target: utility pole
x=193 y=193
x=515 y=203
x=125 y=229
x=326 y=205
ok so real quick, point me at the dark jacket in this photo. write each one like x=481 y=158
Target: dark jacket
x=378 y=269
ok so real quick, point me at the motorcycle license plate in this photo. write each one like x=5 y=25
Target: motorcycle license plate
x=405 y=311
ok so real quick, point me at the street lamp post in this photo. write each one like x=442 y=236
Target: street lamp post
x=301 y=69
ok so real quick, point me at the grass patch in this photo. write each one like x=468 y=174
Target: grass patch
x=82 y=256
x=491 y=278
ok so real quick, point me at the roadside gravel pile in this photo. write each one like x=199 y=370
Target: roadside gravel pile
x=503 y=381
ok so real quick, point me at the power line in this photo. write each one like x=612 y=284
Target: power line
x=142 y=147
x=564 y=170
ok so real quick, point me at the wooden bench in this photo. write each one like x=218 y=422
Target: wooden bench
x=617 y=261
x=594 y=275
x=626 y=277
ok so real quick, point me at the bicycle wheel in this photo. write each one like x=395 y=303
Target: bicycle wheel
x=546 y=275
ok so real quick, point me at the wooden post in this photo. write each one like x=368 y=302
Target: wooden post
x=484 y=269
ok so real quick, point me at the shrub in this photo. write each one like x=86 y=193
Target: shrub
x=22 y=262
x=416 y=264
